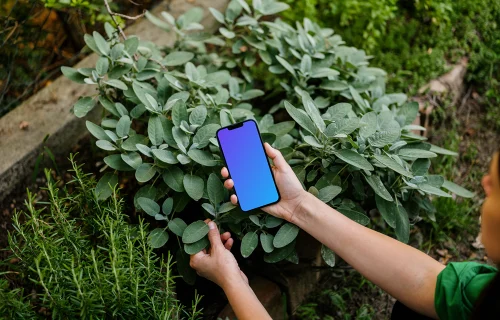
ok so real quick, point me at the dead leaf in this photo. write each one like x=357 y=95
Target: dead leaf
x=442 y=252
x=24 y=125
x=477 y=243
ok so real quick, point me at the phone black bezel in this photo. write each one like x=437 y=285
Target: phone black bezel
x=237 y=125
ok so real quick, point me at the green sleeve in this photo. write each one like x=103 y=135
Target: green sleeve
x=458 y=286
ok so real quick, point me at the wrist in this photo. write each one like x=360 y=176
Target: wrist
x=233 y=284
x=304 y=211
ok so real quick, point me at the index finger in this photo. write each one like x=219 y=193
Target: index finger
x=224 y=173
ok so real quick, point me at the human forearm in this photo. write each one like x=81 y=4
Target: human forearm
x=244 y=302
x=403 y=271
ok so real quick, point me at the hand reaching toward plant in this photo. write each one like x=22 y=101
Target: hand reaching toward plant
x=289 y=186
x=219 y=265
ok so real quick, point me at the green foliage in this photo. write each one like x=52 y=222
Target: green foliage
x=414 y=41
x=332 y=302
x=346 y=129
x=86 y=260
x=15 y=304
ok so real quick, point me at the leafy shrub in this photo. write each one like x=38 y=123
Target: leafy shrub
x=417 y=41
x=351 y=144
x=368 y=18
x=87 y=261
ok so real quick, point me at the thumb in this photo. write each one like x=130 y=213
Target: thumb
x=278 y=159
x=214 y=236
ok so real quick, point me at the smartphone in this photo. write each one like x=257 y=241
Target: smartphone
x=246 y=160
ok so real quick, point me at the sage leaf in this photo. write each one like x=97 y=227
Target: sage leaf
x=354 y=215
x=226 y=207
x=402 y=225
x=181 y=139
x=155 y=130
x=209 y=208
x=145 y=172
x=379 y=188
x=202 y=157
x=101 y=43
x=313 y=112
x=327 y=194
x=416 y=153
x=301 y=118
x=279 y=254
x=368 y=124
x=458 y=190
x=116 y=84
x=198 y=115
x=282 y=128
x=194 y=186
x=266 y=241
x=165 y=156
x=177 y=226
x=193 y=248
x=96 y=131
x=123 y=126
x=254 y=219
x=177 y=58
x=179 y=113
x=353 y=158
x=157 y=238
x=286 y=65
x=248 y=244
x=133 y=159
x=116 y=162
x=272 y=221
x=420 y=167
x=217 y=15
x=388 y=210
x=195 y=231
x=427 y=188
x=83 y=106
x=167 y=206
x=285 y=235
x=328 y=256
x=215 y=189
x=439 y=150
x=174 y=177
x=204 y=134
x=105 y=145
x=106 y=185
x=149 y=206
x=73 y=74
x=392 y=164
x=102 y=66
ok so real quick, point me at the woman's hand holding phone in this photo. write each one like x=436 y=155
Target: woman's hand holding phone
x=290 y=188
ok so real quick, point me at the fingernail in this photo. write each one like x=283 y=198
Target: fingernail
x=211 y=225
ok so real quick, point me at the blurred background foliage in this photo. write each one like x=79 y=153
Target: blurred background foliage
x=37 y=37
x=415 y=41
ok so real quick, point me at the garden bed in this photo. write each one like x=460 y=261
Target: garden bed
x=331 y=147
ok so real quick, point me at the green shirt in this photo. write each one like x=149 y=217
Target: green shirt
x=458 y=287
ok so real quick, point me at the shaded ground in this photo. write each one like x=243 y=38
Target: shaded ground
x=452 y=237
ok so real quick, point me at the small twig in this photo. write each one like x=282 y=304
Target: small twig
x=113 y=14
x=123 y=15
x=465 y=99
x=161 y=65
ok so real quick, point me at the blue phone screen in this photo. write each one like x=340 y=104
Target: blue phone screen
x=248 y=165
